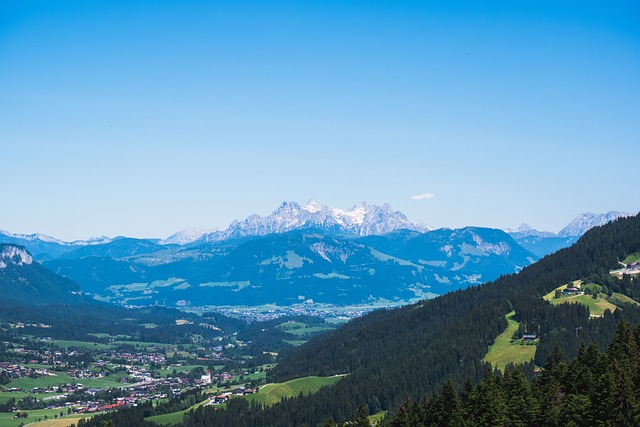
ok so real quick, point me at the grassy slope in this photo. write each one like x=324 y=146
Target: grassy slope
x=623 y=298
x=168 y=419
x=376 y=418
x=632 y=258
x=504 y=351
x=597 y=307
x=174 y=417
x=273 y=393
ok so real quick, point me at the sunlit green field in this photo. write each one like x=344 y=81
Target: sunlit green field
x=27 y=384
x=635 y=257
x=597 y=306
x=504 y=351
x=7 y=420
x=174 y=417
x=273 y=393
x=623 y=298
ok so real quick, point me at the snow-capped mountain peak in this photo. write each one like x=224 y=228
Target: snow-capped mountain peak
x=186 y=236
x=362 y=219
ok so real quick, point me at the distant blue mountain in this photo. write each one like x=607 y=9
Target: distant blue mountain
x=299 y=266
x=299 y=253
x=543 y=243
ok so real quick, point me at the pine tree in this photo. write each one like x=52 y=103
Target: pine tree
x=360 y=419
x=405 y=416
x=452 y=412
x=521 y=405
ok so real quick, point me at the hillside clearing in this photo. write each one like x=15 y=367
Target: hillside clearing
x=173 y=418
x=597 y=306
x=273 y=393
x=505 y=350
x=635 y=257
x=622 y=298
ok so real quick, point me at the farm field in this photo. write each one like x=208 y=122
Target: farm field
x=60 y=422
x=504 y=350
x=63 y=378
x=7 y=420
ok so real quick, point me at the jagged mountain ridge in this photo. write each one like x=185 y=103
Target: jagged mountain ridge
x=186 y=236
x=47 y=247
x=543 y=243
x=361 y=220
x=586 y=221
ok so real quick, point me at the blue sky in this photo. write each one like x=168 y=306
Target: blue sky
x=144 y=118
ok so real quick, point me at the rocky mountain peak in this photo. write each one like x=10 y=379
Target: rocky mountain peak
x=14 y=255
x=361 y=220
x=585 y=221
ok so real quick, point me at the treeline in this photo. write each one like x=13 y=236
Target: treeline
x=593 y=389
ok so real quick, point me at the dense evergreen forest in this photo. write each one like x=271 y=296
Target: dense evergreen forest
x=593 y=389
x=392 y=355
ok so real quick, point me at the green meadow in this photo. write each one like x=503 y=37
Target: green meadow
x=273 y=393
x=505 y=350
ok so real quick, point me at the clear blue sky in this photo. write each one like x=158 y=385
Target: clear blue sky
x=143 y=118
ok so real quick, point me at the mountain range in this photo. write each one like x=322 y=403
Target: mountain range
x=361 y=220
x=299 y=253
x=293 y=267
x=543 y=243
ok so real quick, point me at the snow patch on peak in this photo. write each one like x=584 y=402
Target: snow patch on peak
x=361 y=220
x=14 y=255
x=186 y=236
x=313 y=206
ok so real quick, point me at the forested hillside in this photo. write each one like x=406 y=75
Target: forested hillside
x=23 y=280
x=412 y=351
x=593 y=389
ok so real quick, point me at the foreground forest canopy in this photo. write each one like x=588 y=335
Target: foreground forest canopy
x=594 y=389
x=392 y=355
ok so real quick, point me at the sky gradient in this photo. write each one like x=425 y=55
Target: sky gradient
x=145 y=118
